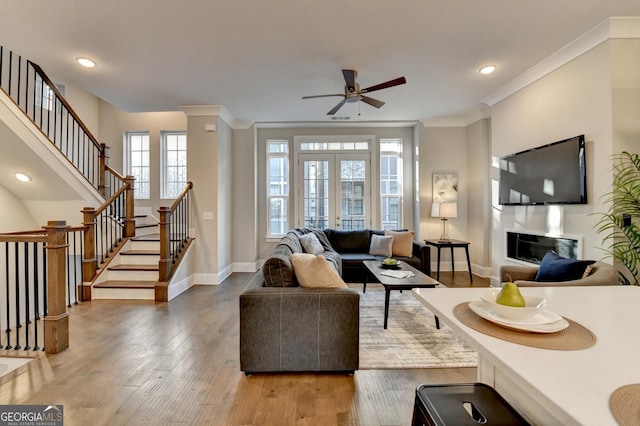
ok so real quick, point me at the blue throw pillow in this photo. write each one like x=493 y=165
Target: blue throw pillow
x=557 y=268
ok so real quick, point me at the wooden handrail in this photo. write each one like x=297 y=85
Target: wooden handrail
x=111 y=199
x=38 y=232
x=34 y=232
x=23 y=238
x=64 y=102
x=173 y=223
x=115 y=173
x=183 y=194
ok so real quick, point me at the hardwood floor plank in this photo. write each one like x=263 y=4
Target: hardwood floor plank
x=176 y=363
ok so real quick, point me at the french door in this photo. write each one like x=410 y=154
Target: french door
x=334 y=191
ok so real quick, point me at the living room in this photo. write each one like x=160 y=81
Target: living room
x=588 y=86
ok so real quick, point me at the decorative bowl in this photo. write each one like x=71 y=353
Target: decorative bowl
x=534 y=305
x=390 y=265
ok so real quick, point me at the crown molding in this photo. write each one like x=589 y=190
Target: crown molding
x=611 y=28
x=333 y=124
x=464 y=121
x=208 y=111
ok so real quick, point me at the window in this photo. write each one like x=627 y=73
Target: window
x=278 y=186
x=391 y=183
x=136 y=161
x=45 y=96
x=173 y=164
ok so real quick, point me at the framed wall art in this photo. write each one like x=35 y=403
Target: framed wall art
x=445 y=187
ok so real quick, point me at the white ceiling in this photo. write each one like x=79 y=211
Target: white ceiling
x=258 y=58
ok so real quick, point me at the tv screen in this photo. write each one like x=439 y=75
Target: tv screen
x=549 y=174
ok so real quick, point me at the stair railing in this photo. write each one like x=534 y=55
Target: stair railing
x=35 y=288
x=41 y=101
x=105 y=230
x=174 y=233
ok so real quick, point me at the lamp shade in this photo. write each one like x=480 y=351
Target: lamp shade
x=444 y=209
x=435 y=209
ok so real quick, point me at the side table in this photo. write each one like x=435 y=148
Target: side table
x=450 y=244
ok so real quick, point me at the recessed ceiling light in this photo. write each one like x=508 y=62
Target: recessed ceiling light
x=488 y=69
x=86 y=62
x=22 y=177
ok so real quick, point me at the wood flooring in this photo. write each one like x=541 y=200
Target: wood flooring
x=176 y=363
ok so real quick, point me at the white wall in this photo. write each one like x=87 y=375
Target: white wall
x=67 y=210
x=114 y=122
x=443 y=149
x=479 y=195
x=244 y=199
x=86 y=105
x=225 y=200
x=203 y=161
x=625 y=55
x=14 y=216
x=575 y=99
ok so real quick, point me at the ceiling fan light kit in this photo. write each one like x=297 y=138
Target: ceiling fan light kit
x=353 y=93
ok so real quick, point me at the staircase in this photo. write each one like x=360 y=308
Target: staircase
x=118 y=261
x=133 y=273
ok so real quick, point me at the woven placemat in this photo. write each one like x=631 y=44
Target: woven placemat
x=572 y=338
x=625 y=405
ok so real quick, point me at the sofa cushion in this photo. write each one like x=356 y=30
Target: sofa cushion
x=311 y=244
x=554 y=267
x=349 y=241
x=315 y=272
x=381 y=245
x=277 y=269
x=402 y=243
x=319 y=233
x=292 y=241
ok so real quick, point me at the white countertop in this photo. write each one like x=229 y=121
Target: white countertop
x=574 y=386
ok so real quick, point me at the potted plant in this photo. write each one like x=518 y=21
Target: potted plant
x=620 y=224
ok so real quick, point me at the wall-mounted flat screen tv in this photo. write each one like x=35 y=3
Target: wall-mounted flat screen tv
x=549 y=174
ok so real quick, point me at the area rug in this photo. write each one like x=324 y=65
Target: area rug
x=411 y=339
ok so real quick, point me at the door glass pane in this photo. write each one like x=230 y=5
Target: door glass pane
x=316 y=194
x=352 y=183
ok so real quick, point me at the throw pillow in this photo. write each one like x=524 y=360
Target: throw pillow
x=402 y=243
x=315 y=272
x=554 y=267
x=587 y=271
x=381 y=245
x=311 y=244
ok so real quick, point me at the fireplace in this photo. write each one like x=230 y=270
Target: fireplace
x=531 y=247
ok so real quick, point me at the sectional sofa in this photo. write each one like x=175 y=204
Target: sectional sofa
x=288 y=327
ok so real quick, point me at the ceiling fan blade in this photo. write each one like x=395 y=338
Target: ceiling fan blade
x=390 y=83
x=350 y=79
x=373 y=102
x=322 y=96
x=337 y=107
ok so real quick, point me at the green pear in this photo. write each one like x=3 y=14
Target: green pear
x=510 y=296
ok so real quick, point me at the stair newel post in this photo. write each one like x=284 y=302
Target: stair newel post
x=89 y=261
x=103 y=170
x=165 y=244
x=56 y=321
x=130 y=224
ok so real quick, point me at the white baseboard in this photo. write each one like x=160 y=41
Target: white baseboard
x=246 y=266
x=177 y=288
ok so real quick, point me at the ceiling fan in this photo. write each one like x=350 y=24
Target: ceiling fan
x=353 y=93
